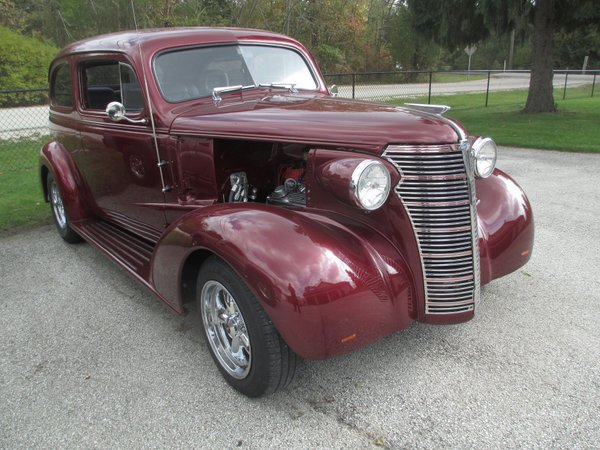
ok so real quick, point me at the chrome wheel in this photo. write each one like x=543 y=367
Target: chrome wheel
x=226 y=329
x=57 y=205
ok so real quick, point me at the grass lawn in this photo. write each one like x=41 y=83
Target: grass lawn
x=21 y=202
x=575 y=127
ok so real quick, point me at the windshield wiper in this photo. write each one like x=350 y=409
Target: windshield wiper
x=216 y=94
x=289 y=86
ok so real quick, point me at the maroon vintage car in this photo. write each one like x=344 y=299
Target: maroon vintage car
x=214 y=166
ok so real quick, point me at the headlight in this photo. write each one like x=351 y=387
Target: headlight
x=370 y=184
x=484 y=151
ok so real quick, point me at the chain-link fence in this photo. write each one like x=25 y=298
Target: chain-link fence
x=23 y=127
x=425 y=86
x=24 y=114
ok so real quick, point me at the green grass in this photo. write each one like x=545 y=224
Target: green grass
x=573 y=128
x=21 y=201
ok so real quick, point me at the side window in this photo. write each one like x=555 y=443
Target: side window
x=110 y=81
x=61 y=93
x=131 y=93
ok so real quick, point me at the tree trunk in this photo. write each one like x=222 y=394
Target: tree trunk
x=540 y=97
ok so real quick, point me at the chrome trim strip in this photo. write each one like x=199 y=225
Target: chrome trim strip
x=465 y=148
x=429 y=108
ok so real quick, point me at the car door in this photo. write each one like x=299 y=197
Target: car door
x=119 y=160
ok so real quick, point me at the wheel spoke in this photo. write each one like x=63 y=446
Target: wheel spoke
x=222 y=315
x=245 y=340
x=238 y=352
x=235 y=345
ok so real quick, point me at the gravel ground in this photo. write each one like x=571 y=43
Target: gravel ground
x=88 y=358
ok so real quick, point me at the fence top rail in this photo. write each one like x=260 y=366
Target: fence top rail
x=463 y=72
x=23 y=91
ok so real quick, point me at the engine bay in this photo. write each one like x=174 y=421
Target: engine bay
x=263 y=172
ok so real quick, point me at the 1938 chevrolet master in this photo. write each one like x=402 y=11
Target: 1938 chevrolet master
x=214 y=166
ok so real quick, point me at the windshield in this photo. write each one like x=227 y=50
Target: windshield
x=193 y=73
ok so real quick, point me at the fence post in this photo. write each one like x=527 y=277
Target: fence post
x=565 y=88
x=353 y=84
x=429 y=96
x=487 y=89
x=593 y=84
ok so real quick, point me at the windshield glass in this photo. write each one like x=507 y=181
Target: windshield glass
x=193 y=73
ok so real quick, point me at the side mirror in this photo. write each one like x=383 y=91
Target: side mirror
x=116 y=112
x=334 y=91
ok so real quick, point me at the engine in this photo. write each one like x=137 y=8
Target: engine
x=291 y=191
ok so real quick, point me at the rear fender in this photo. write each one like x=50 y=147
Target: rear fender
x=328 y=288
x=55 y=159
x=506 y=228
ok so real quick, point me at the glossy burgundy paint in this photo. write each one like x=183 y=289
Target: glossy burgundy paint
x=350 y=281
x=505 y=226
x=311 y=119
x=56 y=159
x=331 y=276
x=334 y=175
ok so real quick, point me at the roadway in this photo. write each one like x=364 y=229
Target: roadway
x=90 y=359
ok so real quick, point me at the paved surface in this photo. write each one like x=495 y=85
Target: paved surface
x=88 y=358
x=16 y=123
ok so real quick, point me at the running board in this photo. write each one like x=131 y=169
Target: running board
x=131 y=252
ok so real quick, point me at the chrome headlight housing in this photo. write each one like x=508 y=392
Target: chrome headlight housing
x=370 y=184
x=484 y=152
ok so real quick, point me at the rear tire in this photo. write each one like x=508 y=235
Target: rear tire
x=59 y=213
x=242 y=340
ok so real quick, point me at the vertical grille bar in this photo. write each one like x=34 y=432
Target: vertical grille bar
x=437 y=189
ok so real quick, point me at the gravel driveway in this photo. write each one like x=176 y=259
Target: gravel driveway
x=88 y=358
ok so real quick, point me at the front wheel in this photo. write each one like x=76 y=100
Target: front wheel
x=59 y=214
x=243 y=342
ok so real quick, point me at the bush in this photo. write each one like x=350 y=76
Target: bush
x=24 y=64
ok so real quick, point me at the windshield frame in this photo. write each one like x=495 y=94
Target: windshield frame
x=313 y=70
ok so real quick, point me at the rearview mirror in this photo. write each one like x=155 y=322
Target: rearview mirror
x=333 y=91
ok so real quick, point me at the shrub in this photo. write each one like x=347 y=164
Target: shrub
x=24 y=64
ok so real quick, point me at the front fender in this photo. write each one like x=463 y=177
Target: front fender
x=57 y=160
x=506 y=227
x=328 y=287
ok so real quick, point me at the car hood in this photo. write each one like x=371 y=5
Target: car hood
x=314 y=120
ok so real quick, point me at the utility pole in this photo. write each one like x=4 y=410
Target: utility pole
x=511 y=50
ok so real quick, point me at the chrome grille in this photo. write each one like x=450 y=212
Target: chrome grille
x=437 y=191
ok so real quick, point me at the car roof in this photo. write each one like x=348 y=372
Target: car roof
x=156 y=39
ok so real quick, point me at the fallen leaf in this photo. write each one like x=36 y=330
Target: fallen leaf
x=379 y=441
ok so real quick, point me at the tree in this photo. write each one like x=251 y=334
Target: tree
x=410 y=49
x=463 y=22
x=572 y=47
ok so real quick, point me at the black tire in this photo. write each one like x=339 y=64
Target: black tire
x=263 y=366
x=59 y=214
